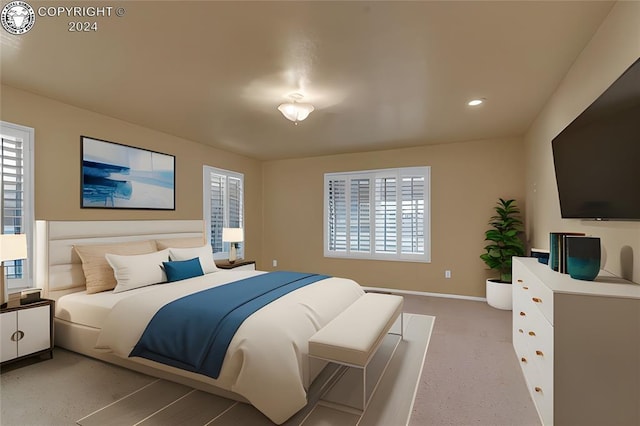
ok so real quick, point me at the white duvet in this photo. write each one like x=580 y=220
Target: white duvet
x=266 y=361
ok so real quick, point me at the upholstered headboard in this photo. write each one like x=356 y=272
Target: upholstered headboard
x=58 y=267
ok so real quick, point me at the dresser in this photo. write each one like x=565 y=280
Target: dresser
x=578 y=345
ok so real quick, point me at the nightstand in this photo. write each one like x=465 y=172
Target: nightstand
x=238 y=265
x=26 y=330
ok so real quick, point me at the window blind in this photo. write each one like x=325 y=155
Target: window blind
x=378 y=214
x=13 y=198
x=224 y=207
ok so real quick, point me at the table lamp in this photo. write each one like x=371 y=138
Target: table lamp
x=12 y=247
x=232 y=236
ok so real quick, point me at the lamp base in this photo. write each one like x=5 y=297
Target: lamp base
x=232 y=253
x=4 y=292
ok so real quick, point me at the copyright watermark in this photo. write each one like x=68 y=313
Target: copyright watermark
x=18 y=17
x=82 y=11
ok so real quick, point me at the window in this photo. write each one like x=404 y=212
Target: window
x=223 y=207
x=16 y=197
x=378 y=214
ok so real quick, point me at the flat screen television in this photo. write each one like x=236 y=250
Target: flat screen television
x=597 y=156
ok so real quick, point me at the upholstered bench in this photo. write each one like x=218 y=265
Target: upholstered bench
x=352 y=338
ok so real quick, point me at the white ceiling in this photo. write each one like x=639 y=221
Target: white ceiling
x=381 y=74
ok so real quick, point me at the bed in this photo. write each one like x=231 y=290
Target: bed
x=266 y=363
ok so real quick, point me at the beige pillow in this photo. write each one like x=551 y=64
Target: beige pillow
x=98 y=274
x=185 y=242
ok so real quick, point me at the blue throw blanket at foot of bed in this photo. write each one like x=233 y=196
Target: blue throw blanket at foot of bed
x=193 y=332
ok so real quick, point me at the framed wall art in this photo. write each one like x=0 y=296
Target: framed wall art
x=116 y=176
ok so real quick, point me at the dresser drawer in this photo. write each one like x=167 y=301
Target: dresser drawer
x=520 y=324
x=542 y=396
x=536 y=292
x=537 y=330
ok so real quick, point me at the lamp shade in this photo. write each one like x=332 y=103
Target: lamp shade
x=232 y=235
x=295 y=111
x=13 y=247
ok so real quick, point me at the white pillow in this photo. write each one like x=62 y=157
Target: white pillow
x=204 y=253
x=138 y=270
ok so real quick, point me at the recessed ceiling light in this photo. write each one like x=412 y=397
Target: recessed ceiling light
x=475 y=102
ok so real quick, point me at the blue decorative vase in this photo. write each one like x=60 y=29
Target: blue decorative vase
x=583 y=257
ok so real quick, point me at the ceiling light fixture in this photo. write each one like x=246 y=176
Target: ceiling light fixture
x=476 y=102
x=296 y=110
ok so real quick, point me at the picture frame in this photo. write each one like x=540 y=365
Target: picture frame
x=117 y=176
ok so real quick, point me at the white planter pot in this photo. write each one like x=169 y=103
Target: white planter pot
x=499 y=295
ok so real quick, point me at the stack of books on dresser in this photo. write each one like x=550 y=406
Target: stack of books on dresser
x=558 y=250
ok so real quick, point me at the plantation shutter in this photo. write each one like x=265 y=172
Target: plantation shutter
x=13 y=201
x=360 y=215
x=12 y=198
x=337 y=214
x=378 y=214
x=386 y=214
x=412 y=195
x=235 y=209
x=218 y=185
x=224 y=207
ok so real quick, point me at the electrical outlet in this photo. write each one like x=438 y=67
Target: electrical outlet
x=275 y=263
x=447 y=274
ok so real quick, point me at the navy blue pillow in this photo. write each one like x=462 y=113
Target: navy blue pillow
x=182 y=269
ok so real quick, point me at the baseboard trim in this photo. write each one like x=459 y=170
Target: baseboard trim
x=424 y=293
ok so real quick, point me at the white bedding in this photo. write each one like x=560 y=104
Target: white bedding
x=91 y=310
x=266 y=361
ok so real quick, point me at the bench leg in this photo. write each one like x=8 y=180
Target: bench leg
x=364 y=388
x=401 y=334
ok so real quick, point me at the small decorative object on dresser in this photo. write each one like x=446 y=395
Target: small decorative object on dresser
x=583 y=257
x=26 y=330
x=541 y=254
x=30 y=295
x=558 y=252
x=238 y=265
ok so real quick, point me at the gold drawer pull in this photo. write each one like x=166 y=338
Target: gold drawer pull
x=520 y=281
x=538 y=389
x=539 y=353
x=520 y=330
x=531 y=333
x=523 y=359
x=536 y=299
x=522 y=314
x=525 y=288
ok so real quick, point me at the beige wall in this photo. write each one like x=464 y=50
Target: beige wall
x=58 y=127
x=466 y=181
x=612 y=50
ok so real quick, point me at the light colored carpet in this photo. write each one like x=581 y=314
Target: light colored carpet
x=471 y=376
x=334 y=398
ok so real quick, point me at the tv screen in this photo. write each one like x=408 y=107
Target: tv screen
x=597 y=157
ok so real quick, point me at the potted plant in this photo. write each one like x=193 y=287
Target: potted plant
x=505 y=242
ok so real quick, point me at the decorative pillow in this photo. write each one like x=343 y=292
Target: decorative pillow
x=138 y=270
x=204 y=253
x=98 y=275
x=182 y=269
x=180 y=242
